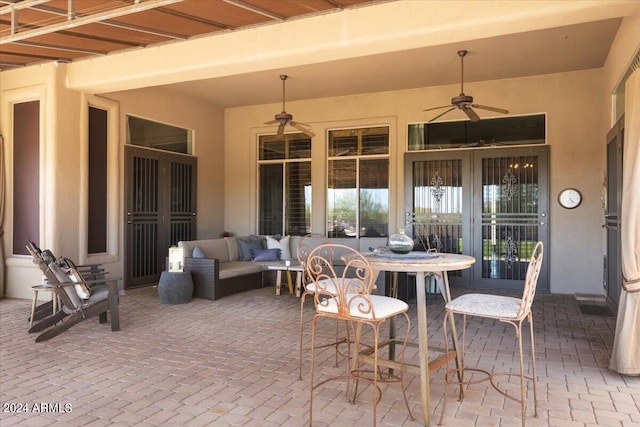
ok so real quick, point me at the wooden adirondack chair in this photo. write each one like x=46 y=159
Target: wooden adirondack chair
x=81 y=298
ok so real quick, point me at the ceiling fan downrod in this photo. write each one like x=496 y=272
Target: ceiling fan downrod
x=283 y=77
x=462 y=54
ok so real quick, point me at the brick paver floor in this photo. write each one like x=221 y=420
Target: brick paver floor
x=235 y=362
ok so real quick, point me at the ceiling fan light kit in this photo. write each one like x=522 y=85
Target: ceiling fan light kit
x=283 y=119
x=464 y=102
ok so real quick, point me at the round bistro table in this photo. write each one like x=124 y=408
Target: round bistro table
x=437 y=264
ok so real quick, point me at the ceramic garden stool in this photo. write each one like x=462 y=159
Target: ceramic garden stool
x=175 y=287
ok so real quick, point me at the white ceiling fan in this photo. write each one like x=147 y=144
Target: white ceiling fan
x=284 y=118
x=464 y=102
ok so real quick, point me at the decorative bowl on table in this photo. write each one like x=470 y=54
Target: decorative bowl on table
x=400 y=243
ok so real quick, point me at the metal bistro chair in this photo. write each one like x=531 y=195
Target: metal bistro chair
x=347 y=296
x=305 y=246
x=513 y=311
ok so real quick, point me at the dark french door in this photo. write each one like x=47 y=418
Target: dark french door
x=160 y=210
x=491 y=204
x=613 y=266
x=438 y=203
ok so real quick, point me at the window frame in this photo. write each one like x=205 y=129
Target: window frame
x=9 y=99
x=113 y=206
x=285 y=161
x=358 y=157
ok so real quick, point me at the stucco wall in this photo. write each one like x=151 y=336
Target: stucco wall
x=207 y=123
x=623 y=48
x=572 y=102
x=61 y=158
x=578 y=108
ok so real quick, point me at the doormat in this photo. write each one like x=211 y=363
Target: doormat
x=595 y=310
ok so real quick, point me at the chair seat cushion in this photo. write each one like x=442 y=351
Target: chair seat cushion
x=495 y=306
x=383 y=307
x=99 y=293
x=327 y=286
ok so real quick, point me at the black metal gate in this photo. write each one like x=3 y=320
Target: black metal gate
x=511 y=209
x=491 y=204
x=160 y=210
x=613 y=266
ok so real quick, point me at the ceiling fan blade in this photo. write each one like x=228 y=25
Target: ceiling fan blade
x=473 y=116
x=442 y=114
x=272 y=122
x=301 y=127
x=280 y=132
x=437 y=108
x=485 y=107
x=301 y=124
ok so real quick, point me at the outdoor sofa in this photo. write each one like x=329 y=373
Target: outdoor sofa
x=229 y=265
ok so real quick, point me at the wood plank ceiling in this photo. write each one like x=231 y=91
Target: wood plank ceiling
x=35 y=31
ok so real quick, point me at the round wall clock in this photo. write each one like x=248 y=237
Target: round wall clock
x=569 y=198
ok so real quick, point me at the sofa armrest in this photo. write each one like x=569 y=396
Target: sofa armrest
x=205 y=273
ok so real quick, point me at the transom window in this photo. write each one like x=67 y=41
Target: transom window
x=493 y=132
x=358 y=182
x=150 y=134
x=284 y=184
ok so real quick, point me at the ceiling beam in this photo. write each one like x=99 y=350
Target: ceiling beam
x=139 y=6
x=59 y=47
x=4 y=64
x=18 y=5
x=112 y=23
x=334 y=4
x=258 y=10
x=44 y=57
x=195 y=18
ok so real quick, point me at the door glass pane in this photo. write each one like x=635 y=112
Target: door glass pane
x=509 y=215
x=144 y=217
x=271 y=193
x=437 y=205
x=182 y=199
x=374 y=197
x=298 y=217
x=342 y=198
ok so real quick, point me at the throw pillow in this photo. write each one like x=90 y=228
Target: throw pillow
x=244 y=248
x=198 y=253
x=282 y=244
x=258 y=239
x=265 y=254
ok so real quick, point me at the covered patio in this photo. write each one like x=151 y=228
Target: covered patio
x=235 y=362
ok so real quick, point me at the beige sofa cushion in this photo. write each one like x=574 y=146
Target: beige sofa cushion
x=214 y=248
x=232 y=243
x=238 y=268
